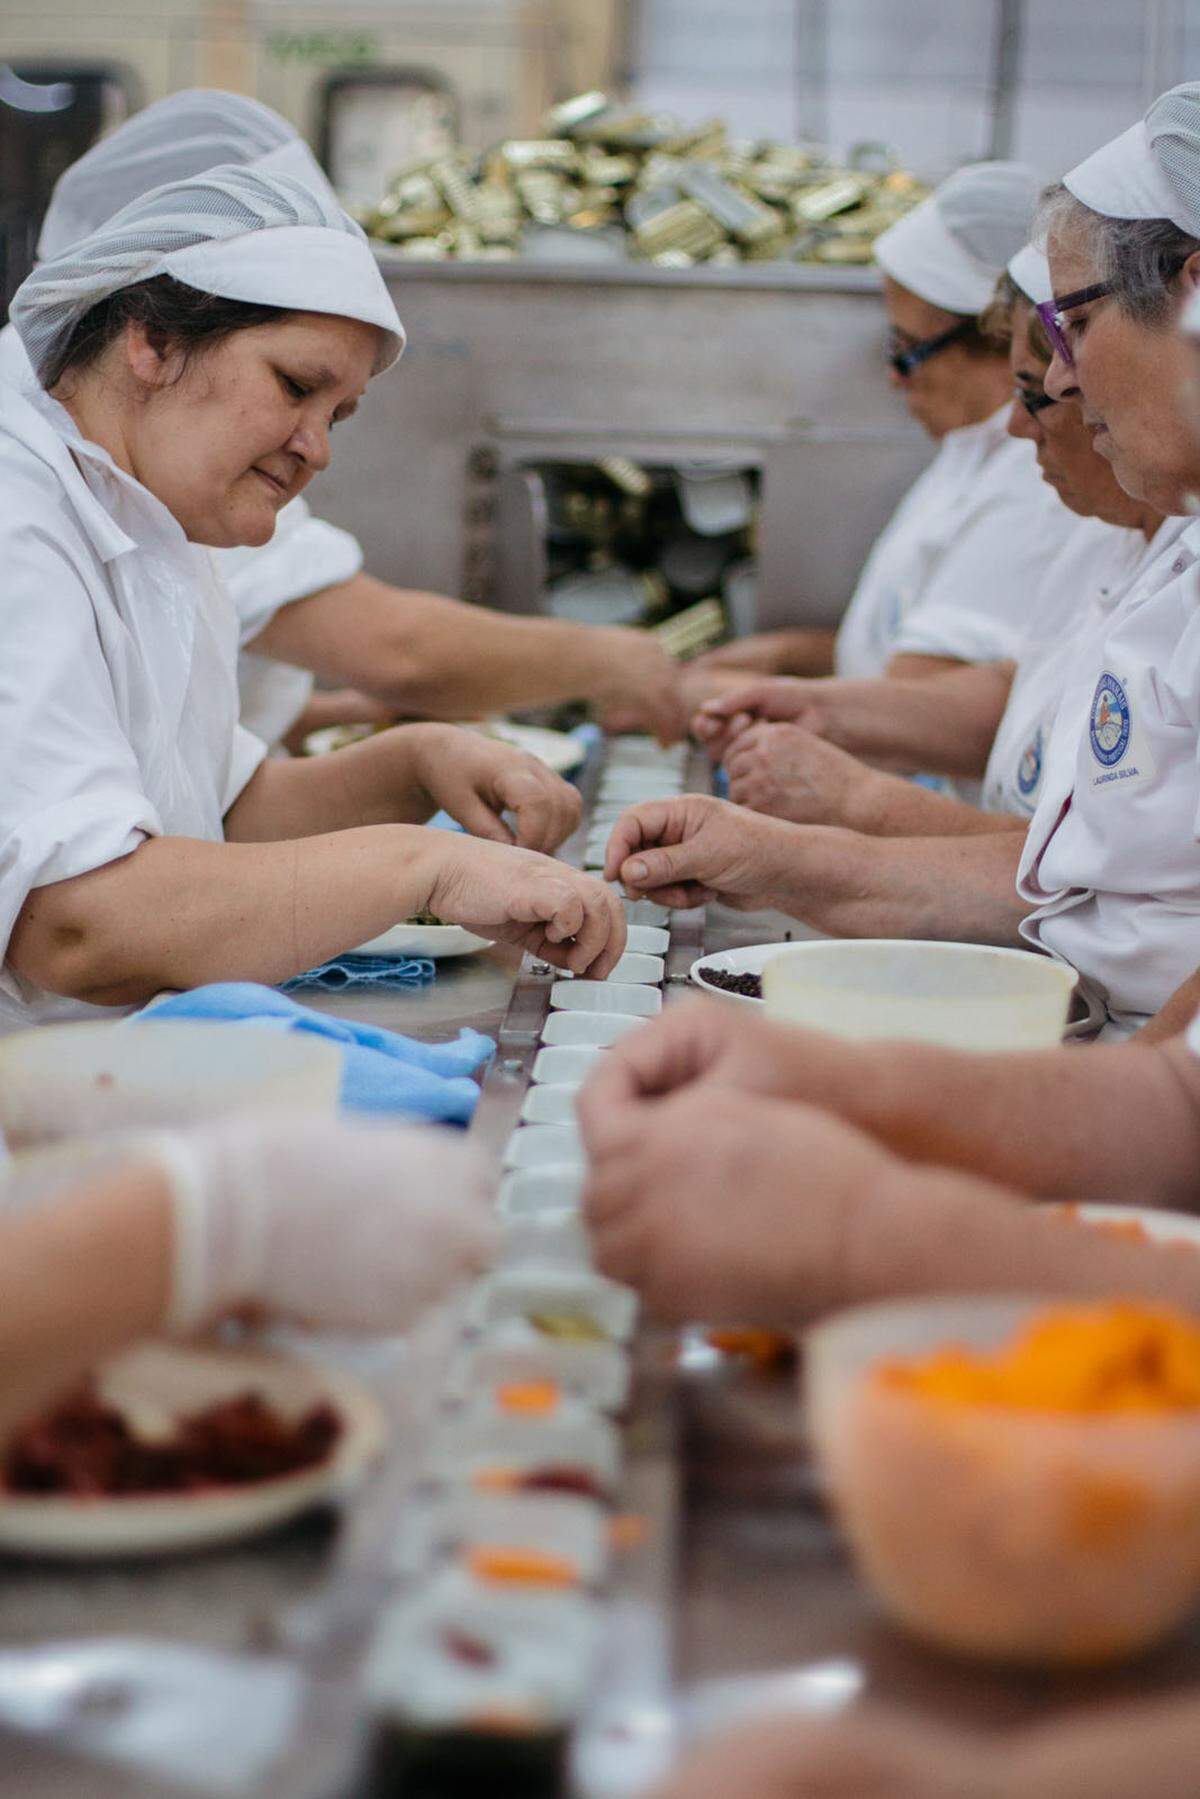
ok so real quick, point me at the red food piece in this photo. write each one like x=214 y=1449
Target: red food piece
x=86 y=1448
x=562 y=1480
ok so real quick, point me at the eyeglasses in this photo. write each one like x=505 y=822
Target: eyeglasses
x=1034 y=401
x=1051 y=313
x=904 y=356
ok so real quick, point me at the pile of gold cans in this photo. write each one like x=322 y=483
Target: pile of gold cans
x=641 y=185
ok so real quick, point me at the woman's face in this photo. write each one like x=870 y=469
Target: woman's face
x=244 y=429
x=1066 y=455
x=1127 y=377
x=953 y=388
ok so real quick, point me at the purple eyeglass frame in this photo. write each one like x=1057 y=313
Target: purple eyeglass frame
x=1051 y=314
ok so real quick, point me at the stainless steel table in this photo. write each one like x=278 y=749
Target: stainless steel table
x=753 y=1581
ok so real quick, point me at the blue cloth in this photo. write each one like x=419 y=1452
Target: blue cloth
x=381 y=1071
x=365 y=971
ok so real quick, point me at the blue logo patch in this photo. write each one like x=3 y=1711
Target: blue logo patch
x=1029 y=772
x=1108 y=726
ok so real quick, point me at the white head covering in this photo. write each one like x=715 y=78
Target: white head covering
x=1190 y=317
x=232 y=232
x=1152 y=171
x=1031 y=272
x=953 y=247
x=171 y=140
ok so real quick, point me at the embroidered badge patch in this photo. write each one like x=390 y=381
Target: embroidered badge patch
x=1109 y=725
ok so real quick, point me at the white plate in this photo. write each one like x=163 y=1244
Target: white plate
x=592 y=1028
x=634 y=967
x=539 y=1145
x=439 y=941
x=551 y=1193
x=606 y=996
x=556 y=749
x=549 y=1104
x=647 y=940
x=158 y=1381
x=751 y=960
x=567 y=1066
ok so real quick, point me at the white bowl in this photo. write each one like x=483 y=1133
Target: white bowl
x=514 y=1353
x=534 y=1293
x=72 y=1080
x=647 y=940
x=961 y=995
x=750 y=960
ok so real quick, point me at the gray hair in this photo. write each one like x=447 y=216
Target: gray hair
x=1140 y=257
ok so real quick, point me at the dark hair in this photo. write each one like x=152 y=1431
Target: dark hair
x=175 y=317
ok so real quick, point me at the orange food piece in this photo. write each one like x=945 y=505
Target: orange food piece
x=766 y=1349
x=1116 y=1357
x=529 y=1399
x=521 y=1567
x=629 y=1530
x=496 y=1480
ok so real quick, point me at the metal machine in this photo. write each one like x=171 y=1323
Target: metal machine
x=775 y=368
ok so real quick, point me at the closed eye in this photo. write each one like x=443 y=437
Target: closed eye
x=293 y=389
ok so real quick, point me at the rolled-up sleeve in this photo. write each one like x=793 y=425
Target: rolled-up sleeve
x=246 y=756
x=71 y=794
x=304 y=556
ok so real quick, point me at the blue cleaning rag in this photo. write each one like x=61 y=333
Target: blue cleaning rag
x=381 y=1071
x=365 y=971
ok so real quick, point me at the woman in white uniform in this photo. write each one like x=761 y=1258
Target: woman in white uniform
x=1111 y=867
x=952 y=723
x=951 y=578
x=304 y=602
x=192 y=359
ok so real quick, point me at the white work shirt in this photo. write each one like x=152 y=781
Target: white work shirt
x=955 y=570
x=118 y=691
x=1095 y=566
x=1111 y=864
x=304 y=555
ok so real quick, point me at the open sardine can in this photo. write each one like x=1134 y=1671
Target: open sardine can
x=960 y=995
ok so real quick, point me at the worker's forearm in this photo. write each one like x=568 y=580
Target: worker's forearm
x=370 y=783
x=804 y=652
x=78 y=1281
x=851 y=885
x=1147 y=1750
x=943 y=725
x=926 y=1230
x=179 y=912
x=425 y=654
x=1083 y=1123
x=890 y=806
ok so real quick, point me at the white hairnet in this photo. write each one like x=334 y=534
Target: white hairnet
x=953 y=247
x=1189 y=319
x=171 y=140
x=233 y=232
x=1031 y=272
x=1152 y=171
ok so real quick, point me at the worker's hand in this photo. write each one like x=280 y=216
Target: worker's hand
x=868 y=1754
x=782 y=699
x=687 y=851
x=786 y=771
x=558 y=913
x=640 y=688
x=716 y=1205
x=355 y=1226
x=700 y=1043
x=476 y=780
